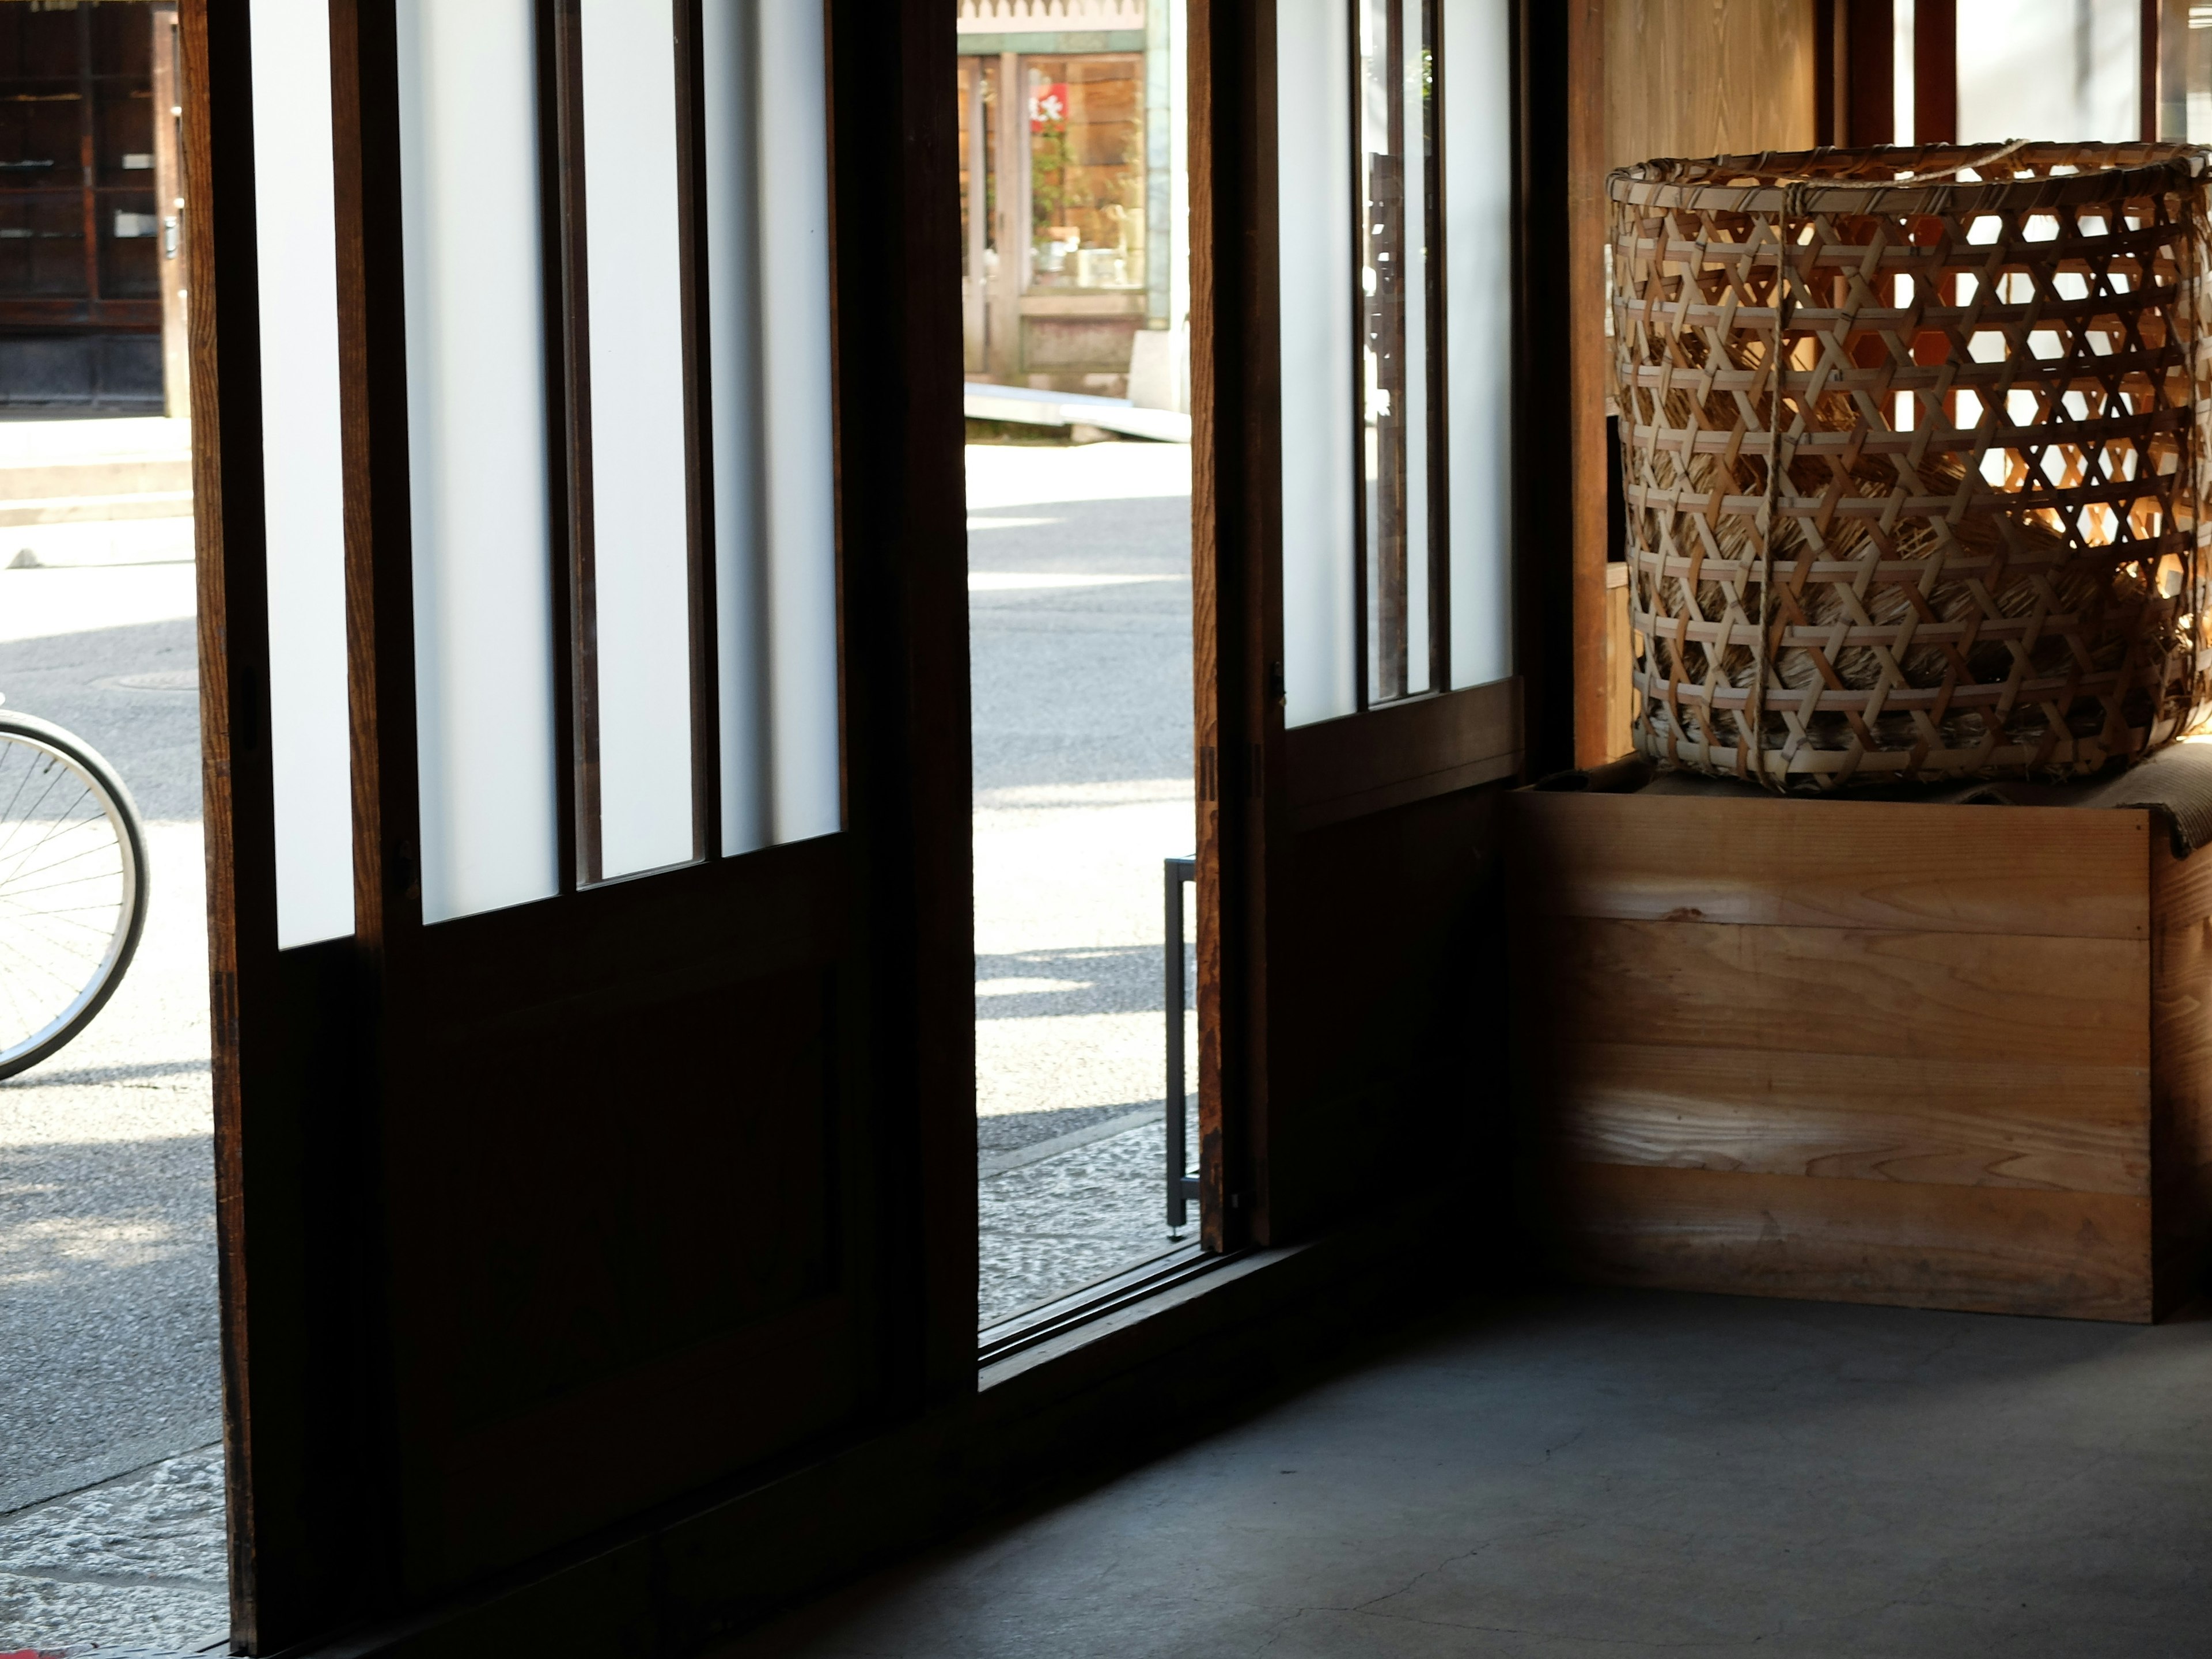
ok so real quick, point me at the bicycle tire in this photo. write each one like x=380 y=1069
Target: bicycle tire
x=120 y=812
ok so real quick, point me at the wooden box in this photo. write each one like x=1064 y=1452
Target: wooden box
x=1945 y=1056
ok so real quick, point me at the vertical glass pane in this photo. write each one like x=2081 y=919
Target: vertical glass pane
x=1394 y=163
x=302 y=482
x=2184 y=71
x=641 y=533
x=768 y=238
x=1086 y=172
x=1478 y=220
x=476 y=406
x=2030 y=69
x=1315 y=216
x=727 y=52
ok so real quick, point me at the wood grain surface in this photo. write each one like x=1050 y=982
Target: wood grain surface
x=1984 y=1249
x=1707 y=77
x=1863 y=1117
x=1751 y=858
x=1987 y=998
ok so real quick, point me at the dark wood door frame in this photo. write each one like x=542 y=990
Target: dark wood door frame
x=1281 y=809
x=322 y=1459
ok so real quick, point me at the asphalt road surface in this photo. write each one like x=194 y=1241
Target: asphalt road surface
x=108 y=1357
x=110 y=1495
x=1079 y=633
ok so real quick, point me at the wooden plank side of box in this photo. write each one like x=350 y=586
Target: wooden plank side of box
x=1978 y=1249
x=1979 y=998
x=1752 y=859
x=1942 y=1122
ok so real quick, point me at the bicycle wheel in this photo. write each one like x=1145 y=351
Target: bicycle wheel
x=73 y=884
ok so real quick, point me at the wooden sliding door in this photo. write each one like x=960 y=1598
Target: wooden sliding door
x=584 y=644
x=1358 y=698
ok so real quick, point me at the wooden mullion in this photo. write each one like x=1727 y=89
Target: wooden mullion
x=1584 y=120
x=568 y=332
x=698 y=434
x=2148 y=35
x=1435 y=267
x=232 y=611
x=1362 y=549
x=1236 y=588
x=354 y=1539
x=1935 y=72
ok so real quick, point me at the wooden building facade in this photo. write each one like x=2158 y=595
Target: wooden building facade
x=90 y=205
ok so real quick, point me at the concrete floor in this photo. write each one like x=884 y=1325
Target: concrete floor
x=1619 y=1474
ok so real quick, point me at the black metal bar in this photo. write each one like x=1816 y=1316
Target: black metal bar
x=1181 y=1188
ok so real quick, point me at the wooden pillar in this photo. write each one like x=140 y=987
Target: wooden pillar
x=1590 y=353
x=169 y=194
x=1935 y=72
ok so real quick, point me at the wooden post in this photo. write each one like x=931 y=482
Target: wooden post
x=1586 y=164
x=1935 y=72
x=169 y=194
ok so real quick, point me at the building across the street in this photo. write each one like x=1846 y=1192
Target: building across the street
x=90 y=207
x=1073 y=209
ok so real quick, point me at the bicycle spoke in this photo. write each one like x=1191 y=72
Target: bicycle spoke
x=40 y=966
x=61 y=827
x=57 y=864
x=14 y=894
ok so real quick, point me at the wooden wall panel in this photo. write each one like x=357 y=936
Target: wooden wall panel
x=1842 y=864
x=1862 y=1117
x=1707 y=77
x=1987 y=998
x=1983 y=1250
x=1937 y=1055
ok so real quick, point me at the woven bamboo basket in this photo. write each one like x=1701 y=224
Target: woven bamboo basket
x=1915 y=447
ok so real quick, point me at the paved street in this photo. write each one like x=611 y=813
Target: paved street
x=109 y=1484
x=108 y=1356
x=1079 y=608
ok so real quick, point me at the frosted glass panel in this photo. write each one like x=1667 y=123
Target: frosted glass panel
x=767 y=241
x=476 y=410
x=2040 y=69
x=641 y=535
x=1477 y=217
x=302 y=482
x=1316 y=215
x=728 y=116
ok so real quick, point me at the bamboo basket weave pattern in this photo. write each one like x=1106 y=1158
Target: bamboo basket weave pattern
x=1915 y=449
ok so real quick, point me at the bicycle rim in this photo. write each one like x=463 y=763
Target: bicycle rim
x=72 y=889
